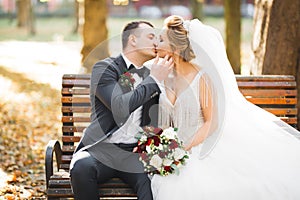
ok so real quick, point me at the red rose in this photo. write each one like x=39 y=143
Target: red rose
x=173 y=144
x=162 y=154
x=157 y=131
x=144 y=156
x=132 y=80
x=149 y=141
x=156 y=140
x=127 y=74
x=167 y=168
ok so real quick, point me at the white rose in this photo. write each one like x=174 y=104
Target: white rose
x=148 y=149
x=169 y=133
x=160 y=147
x=167 y=162
x=143 y=138
x=178 y=154
x=156 y=161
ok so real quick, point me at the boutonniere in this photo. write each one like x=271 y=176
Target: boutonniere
x=127 y=80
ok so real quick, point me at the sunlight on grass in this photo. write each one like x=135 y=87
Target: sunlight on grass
x=41 y=61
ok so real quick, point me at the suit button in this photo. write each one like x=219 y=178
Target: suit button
x=154 y=94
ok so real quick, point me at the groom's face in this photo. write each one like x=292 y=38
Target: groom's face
x=145 y=41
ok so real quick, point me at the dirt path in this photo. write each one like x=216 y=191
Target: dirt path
x=30 y=82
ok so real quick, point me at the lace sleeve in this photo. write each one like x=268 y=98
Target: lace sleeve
x=207 y=102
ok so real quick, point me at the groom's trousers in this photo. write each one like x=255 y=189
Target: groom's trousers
x=88 y=172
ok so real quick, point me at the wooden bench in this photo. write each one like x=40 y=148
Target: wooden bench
x=276 y=94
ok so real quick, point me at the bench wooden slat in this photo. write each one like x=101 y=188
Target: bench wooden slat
x=104 y=192
x=77 y=76
x=76 y=109
x=75 y=83
x=79 y=91
x=264 y=77
x=85 y=100
x=65 y=166
x=266 y=84
x=75 y=119
x=71 y=138
x=60 y=175
x=289 y=120
x=282 y=111
x=268 y=93
x=271 y=101
x=73 y=128
x=66 y=183
x=59 y=192
x=66 y=158
x=68 y=148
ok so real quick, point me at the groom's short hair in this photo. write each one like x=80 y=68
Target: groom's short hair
x=128 y=29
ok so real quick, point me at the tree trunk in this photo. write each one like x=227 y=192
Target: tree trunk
x=261 y=23
x=282 y=38
x=94 y=33
x=233 y=33
x=23 y=12
x=276 y=42
x=31 y=20
x=26 y=16
x=197 y=9
x=78 y=15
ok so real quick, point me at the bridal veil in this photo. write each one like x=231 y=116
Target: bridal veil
x=231 y=110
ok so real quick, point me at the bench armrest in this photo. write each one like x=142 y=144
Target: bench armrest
x=53 y=146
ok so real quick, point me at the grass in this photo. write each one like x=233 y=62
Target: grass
x=48 y=29
x=54 y=28
x=61 y=29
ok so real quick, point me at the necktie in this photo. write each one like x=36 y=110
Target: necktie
x=140 y=71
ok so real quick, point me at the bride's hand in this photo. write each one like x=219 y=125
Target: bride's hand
x=188 y=147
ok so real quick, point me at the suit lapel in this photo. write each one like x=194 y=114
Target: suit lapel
x=150 y=109
x=120 y=64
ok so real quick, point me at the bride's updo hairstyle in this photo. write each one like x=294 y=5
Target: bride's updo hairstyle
x=178 y=37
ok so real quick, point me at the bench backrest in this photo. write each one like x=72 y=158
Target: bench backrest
x=274 y=93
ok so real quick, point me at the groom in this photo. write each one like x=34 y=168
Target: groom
x=124 y=97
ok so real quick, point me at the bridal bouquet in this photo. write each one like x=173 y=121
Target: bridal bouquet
x=160 y=150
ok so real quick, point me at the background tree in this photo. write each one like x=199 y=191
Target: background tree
x=197 y=9
x=78 y=15
x=233 y=33
x=25 y=15
x=95 y=33
x=276 y=35
x=276 y=39
x=22 y=12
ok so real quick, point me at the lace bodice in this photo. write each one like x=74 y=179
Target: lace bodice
x=185 y=114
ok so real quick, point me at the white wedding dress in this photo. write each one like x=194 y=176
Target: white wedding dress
x=251 y=155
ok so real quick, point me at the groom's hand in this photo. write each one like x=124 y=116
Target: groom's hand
x=161 y=69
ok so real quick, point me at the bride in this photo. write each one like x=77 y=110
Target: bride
x=237 y=150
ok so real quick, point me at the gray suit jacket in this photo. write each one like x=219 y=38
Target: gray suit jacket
x=112 y=103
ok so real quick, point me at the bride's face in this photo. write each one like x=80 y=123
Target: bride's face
x=163 y=47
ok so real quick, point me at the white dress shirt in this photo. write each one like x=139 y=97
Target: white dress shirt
x=126 y=133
